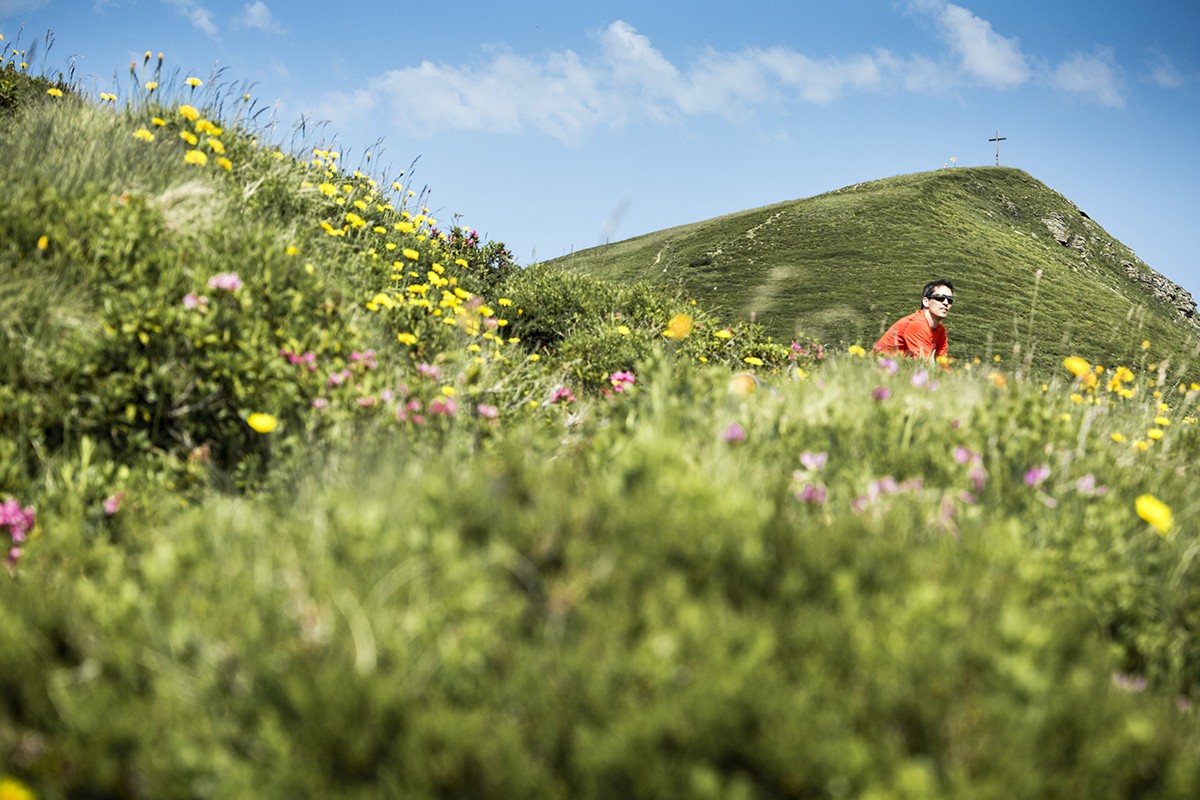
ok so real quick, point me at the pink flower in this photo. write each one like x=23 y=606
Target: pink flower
x=365 y=402
x=621 y=380
x=193 y=300
x=428 y=370
x=1130 y=683
x=814 y=493
x=445 y=406
x=813 y=461
x=562 y=395
x=1036 y=476
x=113 y=504
x=1087 y=485
x=320 y=403
x=19 y=521
x=963 y=455
x=227 y=281
x=978 y=477
x=920 y=378
x=734 y=433
x=880 y=393
x=486 y=411
x=367 y=359
x=889 y=365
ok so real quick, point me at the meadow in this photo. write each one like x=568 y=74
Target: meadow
x=305 y=492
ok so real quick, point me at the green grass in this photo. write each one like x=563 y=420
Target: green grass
x=464 y=564
x=844 y=265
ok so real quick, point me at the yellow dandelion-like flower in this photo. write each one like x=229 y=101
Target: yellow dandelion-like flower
x=449 y=391
x=406 y=338
x=54 y=91
x=194 y=82
x=189 y=137
x=857 y=351
x=144 y=135
x=196 y=157
x=623 y=330
x=151 y=86
x=1076 y=366
x=679 y=327
x=217 y=146
x=262 y=423
x=1155 y=512
x=1117 y=437
x=410 y=254
x=996 y=358
x=1076 y=399
x=724 y=333
x=753 y=361
x=225 y=164
x=158 y=121
x=1155 y=434
x=43 y=242
x=1162 y=421
x=504 y=301
x=1141 y=445
x=12 y=789
x=189 y=113
x=1146 y=344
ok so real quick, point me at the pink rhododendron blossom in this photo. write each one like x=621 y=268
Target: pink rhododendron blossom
x=621 y=380
x=17 y=520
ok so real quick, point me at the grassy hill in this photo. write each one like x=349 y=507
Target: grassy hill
x=843 y=265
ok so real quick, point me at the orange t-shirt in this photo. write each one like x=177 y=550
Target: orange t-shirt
x=912 y=336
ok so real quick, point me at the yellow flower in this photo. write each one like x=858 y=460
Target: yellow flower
x=449 y=391
x=189 y=113
x=151 y=86
x=43 y=242
x=407 y=338
x=217 y=146
x=504 y=301
x=410 y=254
x=1117 y=437
x=534 y=357
x=1155 y=512
x=262 y=423
x=623 y=330
x=1077 y=366
x=1155 y=433
x=11 y=788
x=1146 y=344
x=144 y=135
x=724 y=333
x=291 y=250
x=679 y=327
x=194 y=82
x=753 y=361
x=857 y=351
x=1161 y=421
x=1076 y=399
x=195 y=157
x=188 y=137
x=158 y=122
x=225 y=163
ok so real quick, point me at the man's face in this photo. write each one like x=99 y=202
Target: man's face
x=939 y=308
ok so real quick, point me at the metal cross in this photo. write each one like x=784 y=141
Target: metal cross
x=998 y=140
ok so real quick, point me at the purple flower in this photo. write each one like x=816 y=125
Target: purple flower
x=813 y=461
x=193 y=300
x=1036 y=476
x=814 y=493
x=963 y=455
x=367 y=359
x=734 y=433
x=920 y=378
x=320 y=403
x=227 y=281
x=885 y=485
x=429 y=371
x=19 y=521
x=859 y=504
x=890 y=365
x=881 y=393
x=487 y=411
x=978 y=477
x=1130 y=683
x=1087 y=485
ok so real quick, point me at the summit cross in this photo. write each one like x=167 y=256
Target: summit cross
x=998 y=140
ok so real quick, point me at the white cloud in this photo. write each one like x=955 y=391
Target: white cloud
x=199 y=16
x=258 y=15
x=984 y=54
x=1092 y=75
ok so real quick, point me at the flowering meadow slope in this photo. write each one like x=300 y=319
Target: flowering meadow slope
x=305 y=494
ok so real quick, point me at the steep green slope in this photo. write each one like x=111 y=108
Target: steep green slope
x=843 y=265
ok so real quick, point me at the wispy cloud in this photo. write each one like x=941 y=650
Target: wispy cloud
x=258 y=16
x=1093 y=76
x=626 y=79
x=19 y=6
x=196 y=14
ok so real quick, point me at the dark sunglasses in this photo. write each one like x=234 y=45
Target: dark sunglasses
x=948 y=299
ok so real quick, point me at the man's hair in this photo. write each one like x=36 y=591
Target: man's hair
x=929 y=287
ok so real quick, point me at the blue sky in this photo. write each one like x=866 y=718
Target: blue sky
x=555 y=126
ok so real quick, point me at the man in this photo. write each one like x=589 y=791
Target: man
x=921 y=334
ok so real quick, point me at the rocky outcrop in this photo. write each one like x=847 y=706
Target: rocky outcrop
x=1166 y=291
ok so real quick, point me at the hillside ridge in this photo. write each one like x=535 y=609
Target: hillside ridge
x=999 y=233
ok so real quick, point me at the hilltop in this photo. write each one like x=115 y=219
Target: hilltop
x=842 y=265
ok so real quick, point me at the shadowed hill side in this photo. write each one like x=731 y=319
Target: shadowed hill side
x=841 y=266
